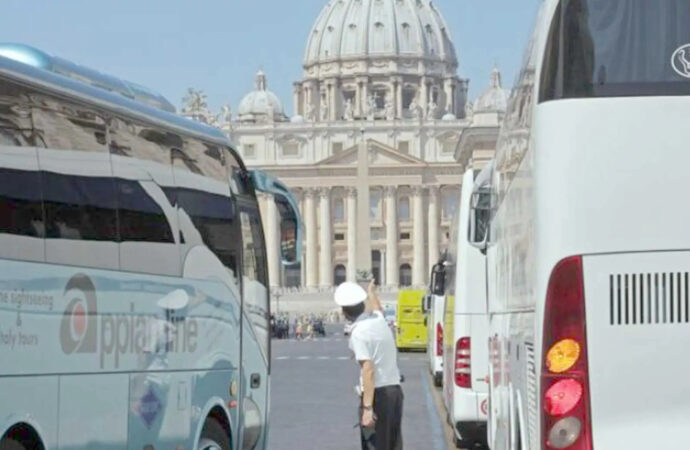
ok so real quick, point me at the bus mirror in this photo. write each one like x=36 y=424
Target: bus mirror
x=482 y=205
x=438 y=279
x=290 y=220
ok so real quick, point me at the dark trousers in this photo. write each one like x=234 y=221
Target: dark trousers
x=388 y=408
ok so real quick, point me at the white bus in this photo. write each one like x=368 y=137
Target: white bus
x=588 y=248
x=433 y=318
x=465 y=318
x=134 y=304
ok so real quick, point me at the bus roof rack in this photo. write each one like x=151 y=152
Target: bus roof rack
x=36 y=58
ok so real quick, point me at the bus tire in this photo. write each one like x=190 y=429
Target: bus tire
x=213 y=436
x=10 y=444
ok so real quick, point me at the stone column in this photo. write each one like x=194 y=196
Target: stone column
x=351 y=212
x=296 y=98
x=326 y=260
x=334 y=92
x=423 y=95
x=399 y=113
x=363 y=84
x=310 y=228
x=391 y=237
x=418 y=266
x=306 y=99
x=434 y=225
x=450 y=100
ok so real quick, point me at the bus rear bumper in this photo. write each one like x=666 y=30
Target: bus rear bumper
x=471 y=435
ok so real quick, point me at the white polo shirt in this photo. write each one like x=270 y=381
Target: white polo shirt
x=372 y=340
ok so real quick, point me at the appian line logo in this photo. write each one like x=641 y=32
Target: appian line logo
x=112 y=336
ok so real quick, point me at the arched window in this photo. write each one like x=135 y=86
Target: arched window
x=339 y=274
x=404 y=209
x=405 y=275
x=338 y=210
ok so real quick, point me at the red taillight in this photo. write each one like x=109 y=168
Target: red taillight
x=439 y=340
x=566 y=420
x=463 y=367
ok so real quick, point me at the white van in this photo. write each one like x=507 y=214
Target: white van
x=433 y=308
x=465 y=359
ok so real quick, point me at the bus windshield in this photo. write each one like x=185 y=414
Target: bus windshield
x=611 y=48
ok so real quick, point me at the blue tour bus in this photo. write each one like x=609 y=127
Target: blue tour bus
x=134 y=302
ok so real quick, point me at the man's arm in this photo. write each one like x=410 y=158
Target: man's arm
x=367 y=371
x=374 y=297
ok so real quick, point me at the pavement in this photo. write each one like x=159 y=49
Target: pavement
x=314 y=406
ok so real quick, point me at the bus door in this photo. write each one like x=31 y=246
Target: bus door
x=255 y=326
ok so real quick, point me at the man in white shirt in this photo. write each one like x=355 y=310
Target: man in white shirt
x=372 y=342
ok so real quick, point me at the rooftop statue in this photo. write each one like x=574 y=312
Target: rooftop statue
x=349 y=113
x=195 y=106
x=371 y=106
x=390 y=108
x=324 y=108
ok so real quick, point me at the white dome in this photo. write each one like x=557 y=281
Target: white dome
x=495 y=98
x=256 y=104
x=353 y=29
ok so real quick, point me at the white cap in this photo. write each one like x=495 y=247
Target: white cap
x=349 y=294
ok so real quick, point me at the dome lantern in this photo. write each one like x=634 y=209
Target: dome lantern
x=261 y=105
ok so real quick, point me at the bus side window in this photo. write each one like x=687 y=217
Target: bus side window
x=213 y=218
x=206 y=210
x=141 y=218
x=22 y=224
x=140 y=158
x=78 y=189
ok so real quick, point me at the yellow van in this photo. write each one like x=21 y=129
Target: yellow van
x=410 y=328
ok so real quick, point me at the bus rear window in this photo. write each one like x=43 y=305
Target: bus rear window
x=614 y=48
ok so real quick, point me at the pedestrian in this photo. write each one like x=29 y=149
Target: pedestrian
x=381 y=405
x=298 y=331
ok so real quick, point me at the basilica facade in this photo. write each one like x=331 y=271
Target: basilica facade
x=378 y=75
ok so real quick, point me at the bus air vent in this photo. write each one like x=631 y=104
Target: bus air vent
x=648 y=298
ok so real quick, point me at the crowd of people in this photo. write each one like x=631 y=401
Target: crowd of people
x=302 y=326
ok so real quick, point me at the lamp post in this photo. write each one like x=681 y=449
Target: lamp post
x=363 y=255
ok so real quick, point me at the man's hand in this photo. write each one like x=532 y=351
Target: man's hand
x=372 y=288
x=374 y=297
x=368 y=418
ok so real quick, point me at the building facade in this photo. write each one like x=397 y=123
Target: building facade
x=380 y=133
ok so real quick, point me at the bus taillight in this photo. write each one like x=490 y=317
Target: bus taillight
x=566 y=415
x=439 y=340
x=463 y=368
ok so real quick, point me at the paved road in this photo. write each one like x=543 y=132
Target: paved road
x=313 y=405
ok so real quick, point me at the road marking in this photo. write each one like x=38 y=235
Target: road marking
x=306 y=358
x=438 y=438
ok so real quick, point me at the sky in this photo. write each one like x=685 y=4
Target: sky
x=218 y=45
